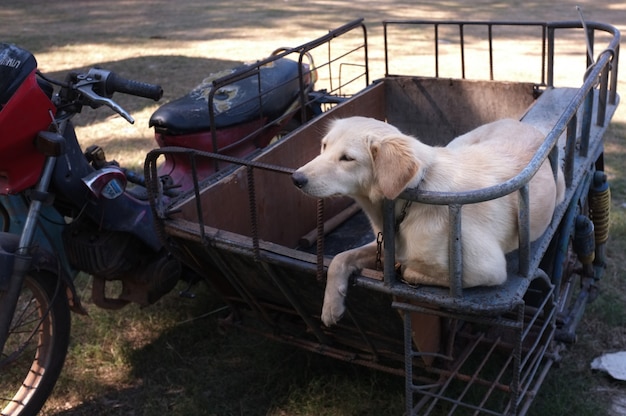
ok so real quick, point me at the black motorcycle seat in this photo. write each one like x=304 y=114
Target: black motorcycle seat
x=234 y=103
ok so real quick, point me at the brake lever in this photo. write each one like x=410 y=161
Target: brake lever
x=85 y=87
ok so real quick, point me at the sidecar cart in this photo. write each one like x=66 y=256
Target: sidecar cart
x=265 y=246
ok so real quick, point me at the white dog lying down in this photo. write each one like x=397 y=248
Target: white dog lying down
x=368 y=159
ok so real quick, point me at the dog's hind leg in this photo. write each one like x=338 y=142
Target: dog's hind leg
x=484 y=264
x=415 y=277
x=486 y=267
x=341 y=267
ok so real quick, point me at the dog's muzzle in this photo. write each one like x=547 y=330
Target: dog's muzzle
x=299 y=179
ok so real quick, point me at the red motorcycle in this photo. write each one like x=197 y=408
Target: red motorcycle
x=65 y=210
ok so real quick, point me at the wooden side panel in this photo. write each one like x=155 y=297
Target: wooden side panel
x=284 y=213
x=437 y=110
x=434 y=110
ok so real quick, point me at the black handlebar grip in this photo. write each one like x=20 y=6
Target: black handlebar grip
x=115 y=83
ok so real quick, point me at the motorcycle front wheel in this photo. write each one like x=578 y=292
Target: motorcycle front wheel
x=36 y=347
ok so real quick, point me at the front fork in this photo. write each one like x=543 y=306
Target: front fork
x=22 y=258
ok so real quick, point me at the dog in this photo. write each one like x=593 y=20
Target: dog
x=370 y=160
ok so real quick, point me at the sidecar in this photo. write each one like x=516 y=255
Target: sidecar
x=265 y=247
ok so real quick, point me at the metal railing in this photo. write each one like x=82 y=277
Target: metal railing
x=601 y=77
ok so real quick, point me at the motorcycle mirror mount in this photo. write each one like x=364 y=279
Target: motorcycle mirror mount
x=108 y=182
x=50 y=143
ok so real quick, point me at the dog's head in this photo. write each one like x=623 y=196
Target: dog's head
x=360 y=157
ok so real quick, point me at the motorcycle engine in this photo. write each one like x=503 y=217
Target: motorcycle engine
x=112 y=255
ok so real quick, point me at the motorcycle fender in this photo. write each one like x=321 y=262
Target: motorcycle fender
x=41 y=260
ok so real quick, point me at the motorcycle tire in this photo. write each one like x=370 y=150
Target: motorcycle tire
x=36 y=346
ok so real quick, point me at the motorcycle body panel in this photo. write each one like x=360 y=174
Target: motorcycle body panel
x=125 y=213
x=228 y=141
x=20 y=162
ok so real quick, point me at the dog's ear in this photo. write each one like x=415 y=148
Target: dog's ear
x=394 y=165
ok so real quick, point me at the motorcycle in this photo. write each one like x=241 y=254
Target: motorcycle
x=64 y=210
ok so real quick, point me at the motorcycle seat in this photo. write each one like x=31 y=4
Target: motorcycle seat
x=237 y=103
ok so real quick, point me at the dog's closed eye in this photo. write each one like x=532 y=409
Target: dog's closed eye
x=346 y=158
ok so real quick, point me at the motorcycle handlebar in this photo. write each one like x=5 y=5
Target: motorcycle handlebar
x=115 y=83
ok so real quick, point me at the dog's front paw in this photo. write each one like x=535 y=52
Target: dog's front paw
x=339 y=271
x=334 y=298
x=332 y=310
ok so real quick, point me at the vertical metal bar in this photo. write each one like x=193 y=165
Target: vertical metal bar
x=570 y=151
x=551 y=34
x=386 y=44
x=462 y=42
x=253 y=209
x=490 y=31
x=389 y=233
x=524 y=230
x=543 y=54
x=455 y=251
x=436 y=27
x=367 y=69
x=588 y=103
x=196 y=191
x=614 y=67
x=330 y=67
x=590 y=43
x=585 y=129
x=320 y=239
x=303 y=88
x=602 y=95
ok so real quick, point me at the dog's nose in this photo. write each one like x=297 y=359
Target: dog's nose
x=299 y=179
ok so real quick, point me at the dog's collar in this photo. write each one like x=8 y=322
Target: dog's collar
x=402 y=216
x=407 y=205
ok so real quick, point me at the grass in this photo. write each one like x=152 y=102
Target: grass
x=174 y=357
x=166 y=358
x=603 y=328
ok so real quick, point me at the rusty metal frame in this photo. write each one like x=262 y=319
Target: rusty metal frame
x=300 y=53
x=531 y=350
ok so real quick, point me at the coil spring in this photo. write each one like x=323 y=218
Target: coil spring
x=600 y=207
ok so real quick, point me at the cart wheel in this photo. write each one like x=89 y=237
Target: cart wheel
x=36 y=347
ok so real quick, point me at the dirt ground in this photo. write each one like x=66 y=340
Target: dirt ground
x=176 y=44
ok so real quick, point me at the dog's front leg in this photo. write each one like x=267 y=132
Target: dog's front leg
x=341 y=267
